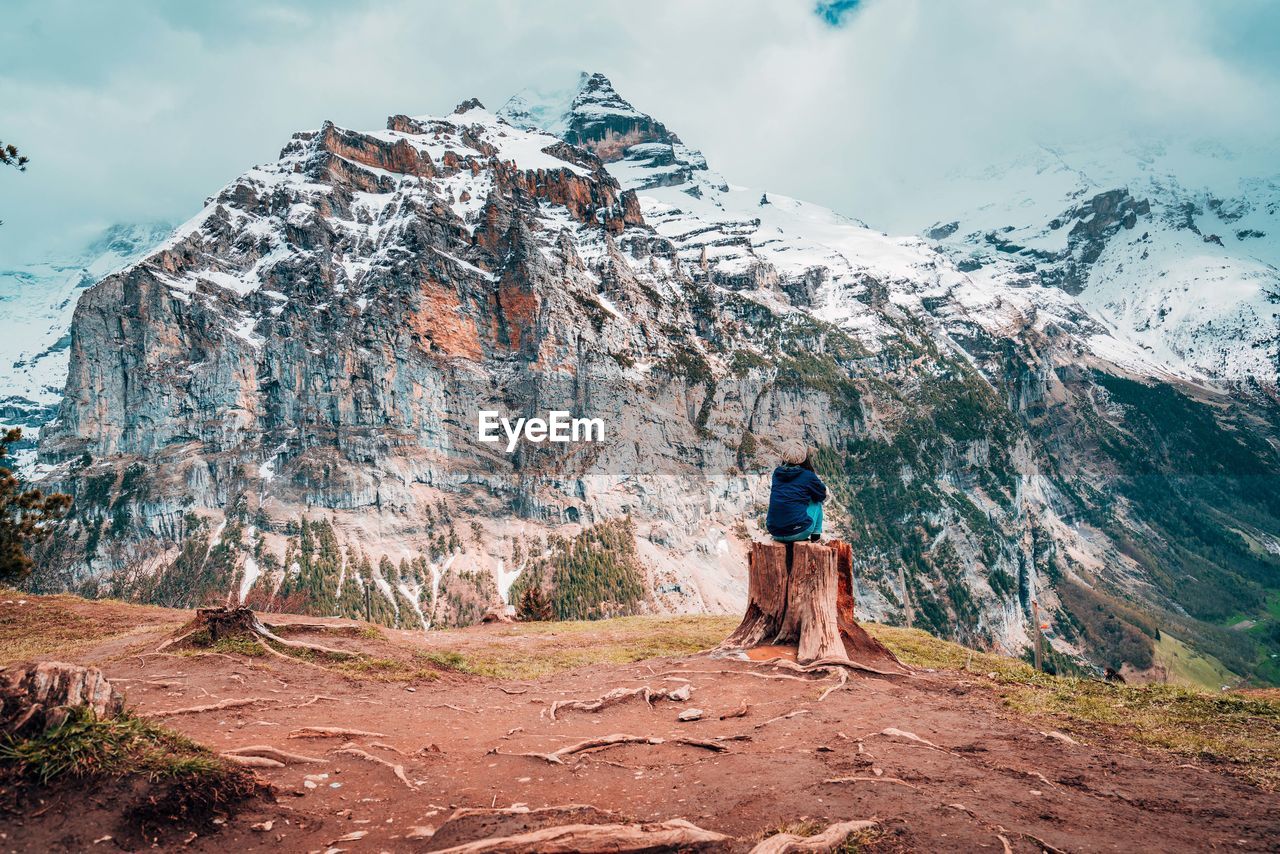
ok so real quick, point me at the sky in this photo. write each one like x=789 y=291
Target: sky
x=138 y=110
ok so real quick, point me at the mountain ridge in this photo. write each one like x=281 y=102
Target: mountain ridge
x=313 y=345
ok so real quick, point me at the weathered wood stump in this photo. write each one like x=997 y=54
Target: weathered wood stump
x=38 y=697
x=802 y=594
x=214 y=624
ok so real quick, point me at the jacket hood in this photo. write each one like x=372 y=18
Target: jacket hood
x=786 y=474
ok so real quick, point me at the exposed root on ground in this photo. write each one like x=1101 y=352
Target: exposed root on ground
x=556 y=757
x=740 y=712
x=782 y=717
x=674 y=835
x=618 y=695
x=894 y=732
x=451 y=706
x=317 y=698
x=827 y=665
x=212 y=625
x=269 y=752
x=398 y=770
x=744 y=673
x=333 y=732
x=251 y=761
x=828 y=840
x=212 y=707
x=844 y=680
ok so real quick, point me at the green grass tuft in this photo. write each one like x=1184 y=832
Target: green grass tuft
x=85 y=746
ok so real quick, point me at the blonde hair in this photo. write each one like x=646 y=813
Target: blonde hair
x=794 y=453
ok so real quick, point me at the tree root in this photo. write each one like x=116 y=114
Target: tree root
x=673 y=835
x=556 y=757
x=894 y=732
x=292 y=659
x=269 y=752
x=333 y=732
x=828 y=840
x=745 y=673
x=398 y=770
x=826 y=664
x=612 y=698
x=212 y=707
x=844 y=680
x=317 y=698
x=740 y=712
x=451 y=706
x=219 y=623
x=251 y=761
x=713 y=746
x=783 y=717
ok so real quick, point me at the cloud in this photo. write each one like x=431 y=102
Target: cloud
x=139 y=111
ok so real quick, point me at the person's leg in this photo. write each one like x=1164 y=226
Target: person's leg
x=815 y=526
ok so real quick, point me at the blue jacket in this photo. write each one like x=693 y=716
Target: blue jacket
x=793 y=489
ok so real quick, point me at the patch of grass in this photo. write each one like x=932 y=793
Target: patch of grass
x=238 y=646
x=85 y=746
x=170 y=784
x=921 y=649
x=51 y=626
x=384 y=669
x=444 y=659
x=555 y=647
x=200 y=643
x=1191 y=668
x=1238 y=732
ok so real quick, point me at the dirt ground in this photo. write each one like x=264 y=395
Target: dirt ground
x=975 y=777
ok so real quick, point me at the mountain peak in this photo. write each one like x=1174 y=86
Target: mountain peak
x=589 y=113
x=467 y=106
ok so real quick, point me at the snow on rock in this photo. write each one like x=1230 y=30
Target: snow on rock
x=36 y=303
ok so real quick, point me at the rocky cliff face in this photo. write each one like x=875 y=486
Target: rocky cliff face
x=279 y=405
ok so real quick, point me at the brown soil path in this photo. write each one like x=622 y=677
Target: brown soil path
x=987 y=778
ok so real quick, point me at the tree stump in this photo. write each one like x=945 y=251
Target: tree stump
x=802 y=594
x=810 y=616
x=38 y=697
x=214 y=624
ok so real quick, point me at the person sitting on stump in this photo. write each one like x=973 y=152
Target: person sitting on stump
x=795 y=498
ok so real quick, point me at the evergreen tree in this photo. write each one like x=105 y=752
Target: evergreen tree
x=534 y=606
x=25 y=515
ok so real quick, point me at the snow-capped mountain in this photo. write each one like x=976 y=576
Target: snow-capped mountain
x=1175 y=247
x=279 y=404
x=37 y=301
